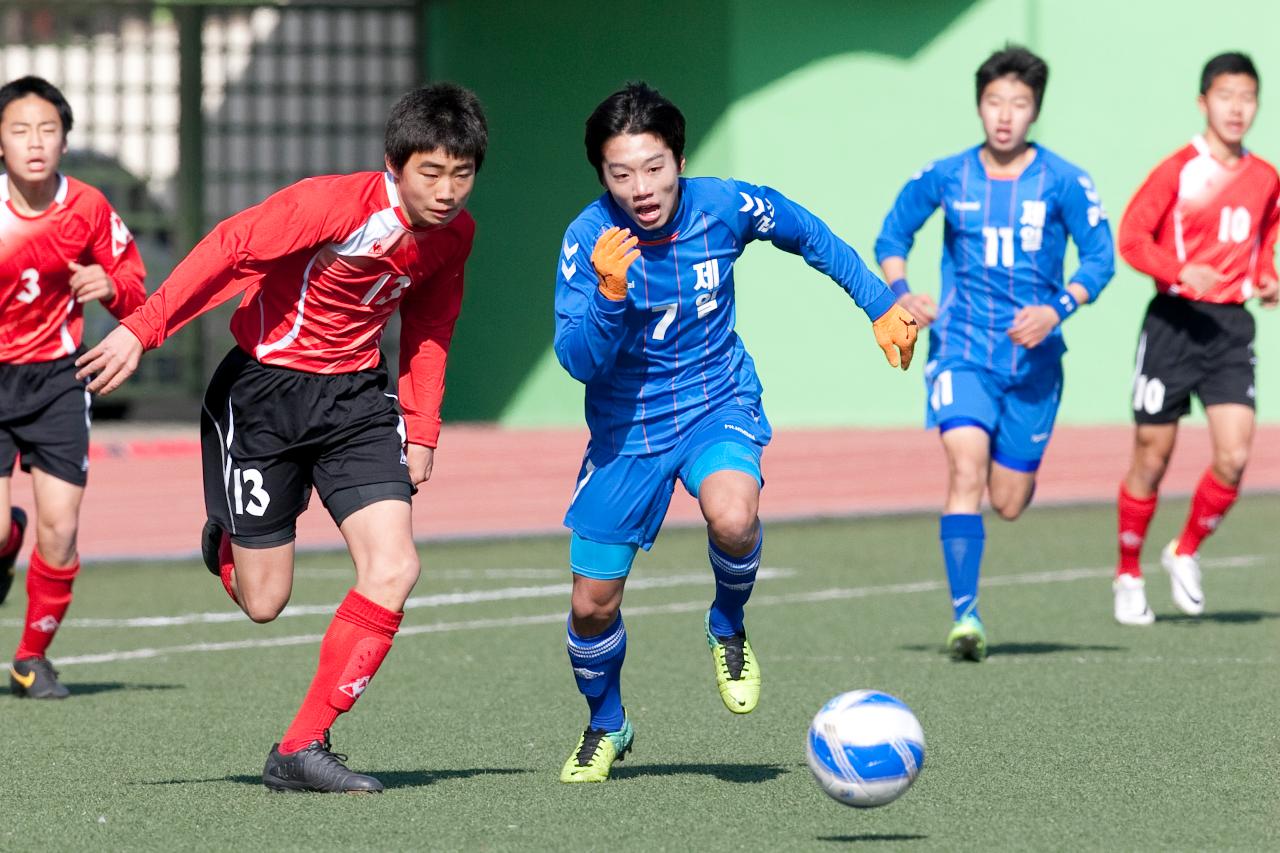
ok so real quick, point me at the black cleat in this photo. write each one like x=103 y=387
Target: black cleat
x=6 y=563
x=211 y=546
x=35 y=678
x=315 y=768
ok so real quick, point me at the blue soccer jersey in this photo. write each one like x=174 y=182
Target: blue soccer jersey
x=657 y=361
x=1003 y=248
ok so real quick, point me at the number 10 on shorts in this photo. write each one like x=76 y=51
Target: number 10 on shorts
x=249 y=480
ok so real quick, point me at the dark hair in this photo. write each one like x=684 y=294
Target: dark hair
x=635 y=108
x=1020 y=62
x=441 y=115
x=41 y=88
x=1233 y=62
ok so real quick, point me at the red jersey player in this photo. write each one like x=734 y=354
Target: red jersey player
x=61 y=245
x=303 y=399
x=1204 y=227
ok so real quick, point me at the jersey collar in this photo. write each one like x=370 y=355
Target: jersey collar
x=59 y=197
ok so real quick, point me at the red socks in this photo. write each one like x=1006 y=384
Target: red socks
x=1211 y=502
x=48 y=597
x=350 y=653
x=1135 y=515
x=226 y=565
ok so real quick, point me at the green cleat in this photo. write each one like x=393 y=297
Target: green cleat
x=737 y=670
x=597 y=749
x=968 y=639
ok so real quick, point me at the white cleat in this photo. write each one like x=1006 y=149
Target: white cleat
x=1131 y=601
x=1184 y=573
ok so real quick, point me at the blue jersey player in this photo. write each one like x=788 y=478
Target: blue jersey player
x=645 y=319
x=994 y=375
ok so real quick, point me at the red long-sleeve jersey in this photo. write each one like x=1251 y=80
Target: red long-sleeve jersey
x=323 y=264
x=39 y=318
x=1195 y=209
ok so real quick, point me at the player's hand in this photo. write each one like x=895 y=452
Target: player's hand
x=1268 y=291
x=896 y=333
x=1032 y=324
x=921 y=306
x=1198 y=278
x=111 y=362
x=614 y=253
x=421 y=458
x=91 y=282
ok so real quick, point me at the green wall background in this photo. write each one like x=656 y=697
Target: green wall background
x=835 y=104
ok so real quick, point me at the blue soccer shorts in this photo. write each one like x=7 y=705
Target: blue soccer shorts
x=619 y=502
x=1017 y=411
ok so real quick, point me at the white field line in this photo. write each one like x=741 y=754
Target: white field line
x=834 y=594
x=443 y=599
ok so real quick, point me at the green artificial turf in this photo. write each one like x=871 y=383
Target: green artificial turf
x=1077 y=734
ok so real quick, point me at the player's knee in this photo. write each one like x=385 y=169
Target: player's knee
x=1229 y=464
x=592 y=616
x=262 y=608
x=397 y=572
x=1009 y=510
x=733 y=527
x=56 y=538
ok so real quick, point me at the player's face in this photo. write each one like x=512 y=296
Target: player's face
x=1230 y=105
x=31 y=139
x=434 y=186
x=1007 y=109
x=642 y=175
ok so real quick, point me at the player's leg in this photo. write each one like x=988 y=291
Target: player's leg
x=617 y=507
x=1226 y=388
x=963 y=535
x=354 y=435
x=725 y=478
x=55 y=448
x=13 y=524
x=1231 y=428
x=963 y=405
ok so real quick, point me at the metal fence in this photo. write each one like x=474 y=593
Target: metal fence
x=186 y=112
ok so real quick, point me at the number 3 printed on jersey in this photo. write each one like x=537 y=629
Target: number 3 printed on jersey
x=30 y=279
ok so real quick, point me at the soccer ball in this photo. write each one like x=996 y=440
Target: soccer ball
x=865 y=748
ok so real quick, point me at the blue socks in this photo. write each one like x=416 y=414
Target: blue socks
x=735 y=577
x=597 y=667
x=962 y=539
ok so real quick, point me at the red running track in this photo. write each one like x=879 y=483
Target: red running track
x=145 y=498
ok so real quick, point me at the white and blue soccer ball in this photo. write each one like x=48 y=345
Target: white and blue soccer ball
x=865 y=748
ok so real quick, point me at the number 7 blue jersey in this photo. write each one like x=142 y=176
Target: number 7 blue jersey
x=656 y=362
x=1003 y=248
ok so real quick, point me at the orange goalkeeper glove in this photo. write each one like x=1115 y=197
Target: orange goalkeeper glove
x=614 y=253
x=896 y=334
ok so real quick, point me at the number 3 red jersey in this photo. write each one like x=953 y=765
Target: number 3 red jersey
x=323 y=264
x=1194 y=209
x=40 y=320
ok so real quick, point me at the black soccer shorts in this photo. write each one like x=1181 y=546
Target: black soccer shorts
x=44 y=418
x=268 y=434
x=1192 y=348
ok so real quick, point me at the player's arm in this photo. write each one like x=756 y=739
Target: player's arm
x=1086 y=221
x=428 y=315
x=591 y=300
x=911 y=209
x=214 y=271
x=1268 y=283
x=1142 y=219
x=113 y=272
x=767 y=214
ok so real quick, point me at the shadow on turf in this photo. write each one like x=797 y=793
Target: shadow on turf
x=743 y=773
x=390 y=778
x=1032 y=648
x=871 y=836
x=90 y=688
x=1225 y=617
